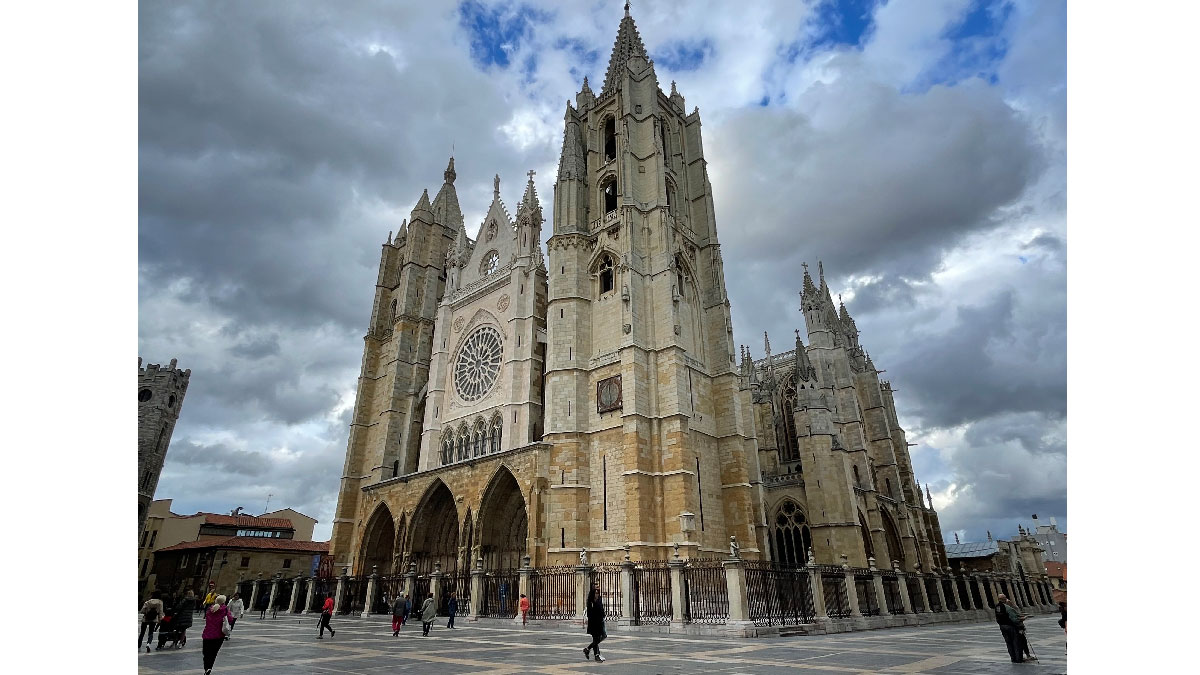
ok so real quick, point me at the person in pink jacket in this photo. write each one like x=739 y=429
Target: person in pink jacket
x=213 y=636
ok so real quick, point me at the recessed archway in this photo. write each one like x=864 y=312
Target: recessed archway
x=792 y=536
x=378 y=542
x=503 y=523
x=895 y=550
x=435 y=530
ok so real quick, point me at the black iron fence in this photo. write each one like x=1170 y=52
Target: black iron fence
x=914 y=594
x=651 y=593
x=931 y=591
x=500 y=594
x=833 y=584
x=354 y=596
x=325 y=588
x=864 y=587
x=778 y=595
x=246 y=590
x=608 y=577
x=421 y=590
x=283 y=595
x=705 y=592
x=894 y=600
x=987 y=591
x=964 y=593
x=458 y=583
x=552 y=593
x=948 y=591
x=301 y=594
x=975 y=595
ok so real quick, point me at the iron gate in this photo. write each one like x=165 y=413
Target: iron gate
x=301 y=595
x=864 y=587
x=552 y=593
x=651 y=593
x=778 y=595
x=935 y=602
x=833 y=582
x=500 y=594
x=608 y=577
x=705 y=592
x=891 y=593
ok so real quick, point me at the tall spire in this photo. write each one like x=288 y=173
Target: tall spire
x=449 y=174
x=628 y=45
x=530 y=198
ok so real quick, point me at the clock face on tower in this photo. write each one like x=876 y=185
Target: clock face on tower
x=478 y=363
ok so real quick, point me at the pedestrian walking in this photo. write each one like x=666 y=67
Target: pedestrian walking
x=1009 y=621
x=523 y=605
x=216 y=627
x=263 y=601
x=183 y=616
x=428 y=614
x=452 y=608
x=212 y=594
x=152 y=611
x=407 y=609
x=595 y=623
x=326 y=615
x=397 y=615
x=275 y=605
x=236 y=609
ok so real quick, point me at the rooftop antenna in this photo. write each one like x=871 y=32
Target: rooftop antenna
x=268 y=502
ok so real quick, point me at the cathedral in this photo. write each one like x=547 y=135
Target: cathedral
x=589 y=399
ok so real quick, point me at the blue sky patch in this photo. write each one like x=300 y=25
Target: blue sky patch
x=683 y=56
x=843 y=22
x=977 y=45
x=495 y=32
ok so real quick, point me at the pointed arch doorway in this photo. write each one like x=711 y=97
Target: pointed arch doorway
x=503 y=523
x=435 y=531
x=378 y=543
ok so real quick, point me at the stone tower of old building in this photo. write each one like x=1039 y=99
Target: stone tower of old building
x=385 y=432
x=652 y=441
x=160 y=397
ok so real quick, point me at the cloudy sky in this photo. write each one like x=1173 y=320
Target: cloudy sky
x=918 y=149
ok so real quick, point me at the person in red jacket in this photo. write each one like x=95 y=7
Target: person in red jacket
x=326 y=615
x=524 y=606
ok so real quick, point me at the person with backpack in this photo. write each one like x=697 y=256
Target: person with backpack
x=1010 y=622
x=595 y=623
x=152 y=611
x=428 y=614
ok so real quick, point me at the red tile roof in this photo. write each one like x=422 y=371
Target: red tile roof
x=255 y=543
x=1057 y=570
x=243 y=521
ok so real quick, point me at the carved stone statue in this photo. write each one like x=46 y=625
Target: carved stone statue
x=583 y=556
x=735 y=551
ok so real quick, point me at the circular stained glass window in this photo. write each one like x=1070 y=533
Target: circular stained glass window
x=478 y=363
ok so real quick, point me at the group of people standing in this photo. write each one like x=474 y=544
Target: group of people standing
x=172 y=620
x=402 y=608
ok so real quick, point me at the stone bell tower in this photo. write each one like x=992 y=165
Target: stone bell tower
x=642 y=397
x=160 y=397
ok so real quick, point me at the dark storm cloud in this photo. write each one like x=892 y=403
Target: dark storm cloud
x=219 y=457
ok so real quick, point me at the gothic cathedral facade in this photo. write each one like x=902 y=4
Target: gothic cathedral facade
x=516 y=404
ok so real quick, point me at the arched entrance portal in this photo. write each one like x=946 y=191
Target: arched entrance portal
x=895 y=550
x=503 y=524
x=435 y=531
x=378 y=543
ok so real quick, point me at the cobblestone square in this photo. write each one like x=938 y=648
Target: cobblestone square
x=288 y=644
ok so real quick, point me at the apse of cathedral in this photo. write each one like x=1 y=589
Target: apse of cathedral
x=516 y=403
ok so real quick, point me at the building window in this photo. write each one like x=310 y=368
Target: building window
x=662 y=134
x=497 y=430
x=183 y=561
x=608 y=192
x=171 y=401
x=792 y=536
x=145 y=564
x=153 y=536
x=480 y=438
x=607 y=279
x=145 y=536
x=464 y=443
x=448 y=447
x=610 y=139
x=287 y=563
x=395 y=468
x=245 y=561
x=670 y=198
x=857 y=480
x=491 y=263
x=144 y=395
x=393 y=311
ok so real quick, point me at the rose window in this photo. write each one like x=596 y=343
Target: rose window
x=478 y=363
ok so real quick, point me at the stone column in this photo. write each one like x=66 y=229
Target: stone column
x=851 y=590
x=958 y=601
x=435 y=585
x=295 y=594
x=818 y=589
x=941 y=592
x=626 y=591
x=274 y=591
x=880 y=594
x=410 y=583
x=476 y=590
x=308 y=595
x=676 y=566
x=338 y=595
x=254 y=594
x=924 y=592
x=739 y=600
x=991 y=578
x=583 y=585
x=979 y=590
x=372 y=581
x=902 y=582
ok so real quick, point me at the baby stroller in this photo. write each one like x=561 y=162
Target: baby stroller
x=167 y=632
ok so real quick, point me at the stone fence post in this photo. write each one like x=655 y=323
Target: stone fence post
x=372 y=582
x=338 y=598
x=983 y=604
x=274 y=590
x=958 y=602
x=477 y=590
x=902 y=582
x=626 y=590
x=877 y=581
x=941 y=591
x=254 y=594
x=676 y=565
x=435 y=585
x=739 y=600
x=295 y=594
x=410 y=584
x=818 y=589
x=310 y=594
x=851 y=588
x=921 y=587
x=583 y=586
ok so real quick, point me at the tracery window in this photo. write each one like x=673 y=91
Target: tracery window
x=610 y=139
x=608 y=191
x=607 y=280
x=790 y=446
x=491 y=263
x=480 y=438
x=448 y=447
x=497 y=430
x=464 y=443
x=478 y=363
x=792 y=536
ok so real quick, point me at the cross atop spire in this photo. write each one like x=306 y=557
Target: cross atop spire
x=626 y=7
x=530 y=174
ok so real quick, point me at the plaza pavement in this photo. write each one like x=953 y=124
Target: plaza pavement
x=288 y=645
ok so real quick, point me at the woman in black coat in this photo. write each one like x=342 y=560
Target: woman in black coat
x=183 y=616
x=595 y=622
